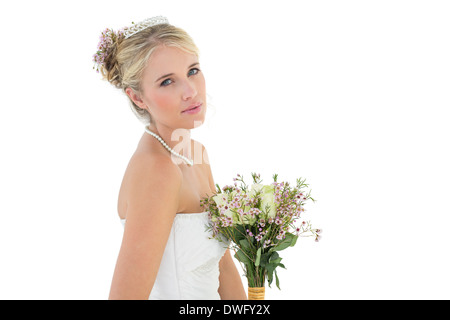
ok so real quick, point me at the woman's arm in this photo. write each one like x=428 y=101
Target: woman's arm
x=152 y=206
x=231 y=287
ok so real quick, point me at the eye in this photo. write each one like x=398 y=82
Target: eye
x=197 y=70
x=192 y=72
x=165 y=83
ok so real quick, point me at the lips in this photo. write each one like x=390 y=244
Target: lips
x=192 y=106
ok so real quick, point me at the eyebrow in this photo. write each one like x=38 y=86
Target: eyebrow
x=170 y=74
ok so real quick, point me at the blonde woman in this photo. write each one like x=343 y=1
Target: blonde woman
x=165 y=252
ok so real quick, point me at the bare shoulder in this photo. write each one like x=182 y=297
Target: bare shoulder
x=153 y=165
x=154 y=170
x=152 y=180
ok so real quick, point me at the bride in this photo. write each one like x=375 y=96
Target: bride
x=166 y=252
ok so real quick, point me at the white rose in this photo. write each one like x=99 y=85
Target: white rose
x=255 y=188
x=268 y=198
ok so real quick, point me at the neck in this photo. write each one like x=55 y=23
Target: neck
x=179 y=140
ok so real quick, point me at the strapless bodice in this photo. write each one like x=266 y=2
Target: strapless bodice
x=190 y=264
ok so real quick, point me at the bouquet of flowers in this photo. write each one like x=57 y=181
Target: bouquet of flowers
x=258 y=222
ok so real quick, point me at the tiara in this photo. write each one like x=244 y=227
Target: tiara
x=110 y=37
x=136 y=27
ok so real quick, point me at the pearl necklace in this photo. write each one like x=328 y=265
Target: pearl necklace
x=188 y=161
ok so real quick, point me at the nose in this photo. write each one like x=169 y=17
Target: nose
x=189 y=90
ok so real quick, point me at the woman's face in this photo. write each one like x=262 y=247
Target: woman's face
x=172 y=82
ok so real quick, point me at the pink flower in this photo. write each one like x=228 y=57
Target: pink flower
x=107 y=39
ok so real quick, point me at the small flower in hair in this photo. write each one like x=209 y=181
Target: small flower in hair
x=107 y=39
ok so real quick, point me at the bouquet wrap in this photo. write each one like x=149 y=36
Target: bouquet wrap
x=256 y=293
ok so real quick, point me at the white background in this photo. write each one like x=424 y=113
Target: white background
x=351 y=95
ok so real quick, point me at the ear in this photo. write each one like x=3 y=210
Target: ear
x=135 y=98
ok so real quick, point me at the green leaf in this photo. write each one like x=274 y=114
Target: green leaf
x=288 y=241
x=250 y=274
x=274 y=256
x=281 y=246
x=270 y=270
x=265 y=259
x=294 y=240
x=277 y=280
x=238 y=233
x=244 y=244
x=276 y=261
x=258 y=257
x=271 y=265
x=240 y=255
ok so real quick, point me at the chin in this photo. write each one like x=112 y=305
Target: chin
x=194 y=121
x=198 y=122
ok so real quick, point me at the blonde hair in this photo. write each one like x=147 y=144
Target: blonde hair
x=127 y=59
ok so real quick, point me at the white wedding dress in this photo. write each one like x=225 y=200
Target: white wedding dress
x=189 y=267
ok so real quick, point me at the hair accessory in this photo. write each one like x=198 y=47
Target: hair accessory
x=136 y=27
x=109 y=37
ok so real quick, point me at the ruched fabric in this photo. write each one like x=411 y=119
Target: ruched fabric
x=189 y=267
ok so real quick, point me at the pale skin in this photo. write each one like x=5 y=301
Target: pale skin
x=155 y=186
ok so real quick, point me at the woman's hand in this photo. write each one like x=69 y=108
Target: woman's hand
x=231 y=287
